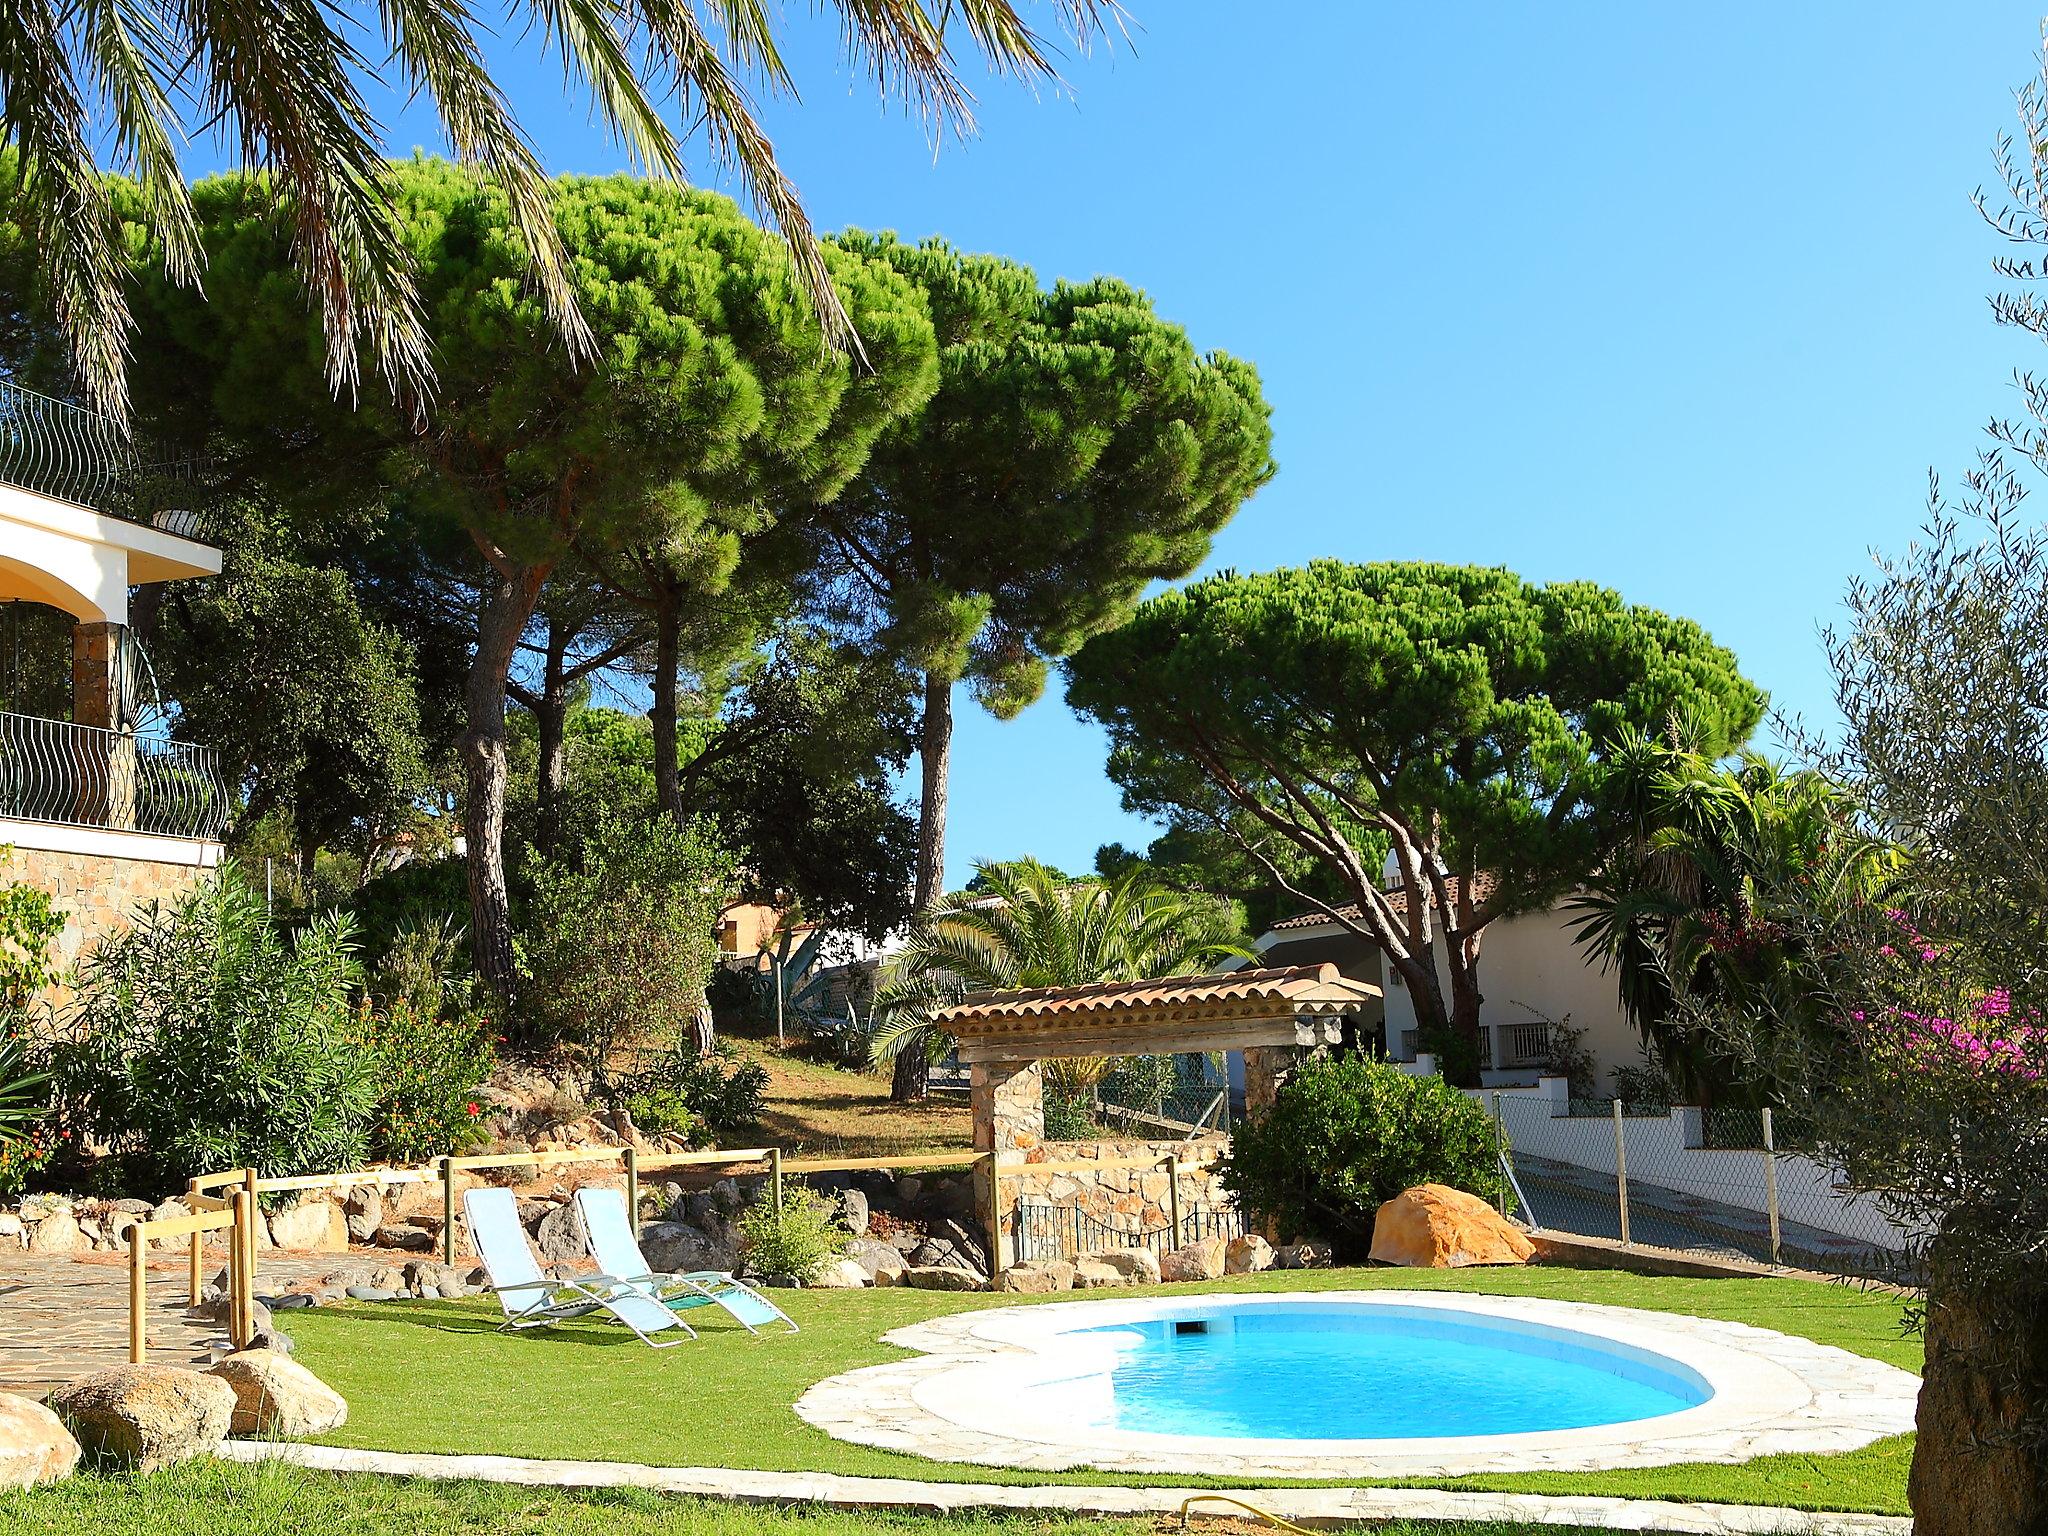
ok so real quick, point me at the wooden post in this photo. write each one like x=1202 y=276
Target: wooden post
x=448 y=1210
x=254 y=1215
x=775 y=1181
x=1771 y=1185
x=241 y=1288
x=1621 y=1171
x=1172 y=1195
x=197 y=1262
x=138 y=1294
x=995 y=1223
x=633 y=1187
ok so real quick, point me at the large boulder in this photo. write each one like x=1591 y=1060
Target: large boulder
x=839 y=1274
x=363 y=1210
x=1433 y=1226
x=1139 y=1266
x=1201 y=1260
x=146 y=1416
x=1247 y=1255
x=35 y=1447
x=312 y=1226
x=278 y=1397
x=884 y=1262
x=1090 y=1274
x=853 y=1211
x=941 y=1277
x=58 y=1232
x=677 y=1248
x=559 y=1237
x=1039 y=1279
x=1310 y=1255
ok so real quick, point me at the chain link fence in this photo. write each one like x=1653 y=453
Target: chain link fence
x=1722 y=1182
x=1145 y=1097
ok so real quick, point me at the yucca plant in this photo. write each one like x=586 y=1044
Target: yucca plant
x=1030 y=927
x=285 y=85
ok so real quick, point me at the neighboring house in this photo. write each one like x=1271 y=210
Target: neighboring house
x=1531 y=978
x=98 y=806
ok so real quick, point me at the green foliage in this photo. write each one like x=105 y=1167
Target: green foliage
x=29 y=925
x=624 y=937
x=799 y=1240
x=200 y=1040
x=394 y=912
x=704 y=1099
x=1346 y=1135
x=427 y=1068
x=1457 y=715
x=1028 y=927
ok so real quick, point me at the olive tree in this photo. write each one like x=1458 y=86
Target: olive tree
x=1458 y=717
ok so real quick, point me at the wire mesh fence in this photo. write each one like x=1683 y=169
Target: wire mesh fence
x=1151 y=1097
x=1717 y=1182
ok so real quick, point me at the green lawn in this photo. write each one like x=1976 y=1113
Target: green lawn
x=209 y=1498
x=436 y=1376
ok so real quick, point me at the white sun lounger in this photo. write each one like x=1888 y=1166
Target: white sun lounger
x=609 y=1235
x=534 y=1299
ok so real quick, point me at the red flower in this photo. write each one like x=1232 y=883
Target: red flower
x=473 y=1110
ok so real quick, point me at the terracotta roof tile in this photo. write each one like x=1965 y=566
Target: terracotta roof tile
x=1283 y=984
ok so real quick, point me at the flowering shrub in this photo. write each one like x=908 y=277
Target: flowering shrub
x=1948 y=1026
x=427 y=1069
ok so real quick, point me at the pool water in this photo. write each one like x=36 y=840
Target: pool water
x=1378 y=1372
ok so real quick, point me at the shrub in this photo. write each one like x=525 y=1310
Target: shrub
x=801 y=1242
x=427 y=1069
x=700 y=1098
x=1348 y=1134
x=1069 y=1114
x=29 y=924
x=625 y=934
x=201 y=1039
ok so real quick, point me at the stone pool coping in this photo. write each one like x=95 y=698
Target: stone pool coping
x=963 y=1399
x=1303 y=1506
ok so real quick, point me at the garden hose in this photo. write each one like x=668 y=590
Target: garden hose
x=1223 y=1498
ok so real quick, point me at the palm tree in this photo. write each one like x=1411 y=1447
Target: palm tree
x=1716 y=909
x=1028 y=926
x=282 y=82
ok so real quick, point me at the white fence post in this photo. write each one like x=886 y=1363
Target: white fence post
x=1771 y=1186
x=1621 y=1172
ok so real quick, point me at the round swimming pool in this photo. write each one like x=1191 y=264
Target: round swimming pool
x=1354 y=1383
x=1313 y=1371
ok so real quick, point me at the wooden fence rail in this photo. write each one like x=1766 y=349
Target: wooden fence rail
x=237 y=1211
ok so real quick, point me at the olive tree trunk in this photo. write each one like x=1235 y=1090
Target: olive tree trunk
x=1980 y=1467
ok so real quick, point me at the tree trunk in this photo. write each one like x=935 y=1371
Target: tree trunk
x=508 y=603
x=911 y=1081
x=661 y=712
x=935 y=760
x=1976 y=1469
x=551 y=728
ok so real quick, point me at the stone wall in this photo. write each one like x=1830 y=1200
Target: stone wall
x=1129 y=1202
x=96 y=892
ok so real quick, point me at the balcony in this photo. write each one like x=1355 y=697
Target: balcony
x=80 y=776
x=71 y=567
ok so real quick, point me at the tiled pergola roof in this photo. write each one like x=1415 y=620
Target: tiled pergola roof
x=1294 y=1005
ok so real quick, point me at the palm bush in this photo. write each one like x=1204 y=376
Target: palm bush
x=1028 y=926
x=202 y=1039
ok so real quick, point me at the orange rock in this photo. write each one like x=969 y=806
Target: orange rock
x=1433 y=1226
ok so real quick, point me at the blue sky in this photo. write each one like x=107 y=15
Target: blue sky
x=1684 y=300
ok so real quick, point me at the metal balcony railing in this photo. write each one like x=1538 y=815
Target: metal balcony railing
x=52 y=770
x=77 y=455
x=1525 y=1045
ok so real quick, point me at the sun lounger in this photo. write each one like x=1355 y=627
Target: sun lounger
x=535 y=1299
x=609 y=1234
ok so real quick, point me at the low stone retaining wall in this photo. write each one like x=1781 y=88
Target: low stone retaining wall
x=1123 y=1204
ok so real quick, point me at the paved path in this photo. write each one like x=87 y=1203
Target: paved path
x=64 y=1317
x=1306 y=1506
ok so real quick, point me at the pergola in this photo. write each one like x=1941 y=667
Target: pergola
x=1267 y=1014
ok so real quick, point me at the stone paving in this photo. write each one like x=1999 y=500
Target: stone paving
x=65 y=1316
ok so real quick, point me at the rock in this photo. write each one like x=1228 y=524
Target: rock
x=370 y=1293
x=425 y=1278
x=364 y=1212
x=146 y=1416
x=130 y=1205
x=970 y=1242
x=11 y=1225
x=936 y=1251
x=1304 y=1256
x=1091 y=1275
x=35 y=1447
x=1433 y=1226
x=559 y=1237
x=58 y=1232
x=840 y=1275
x=941 y=1277
x=853 y=1210
x=677 y=1248
x=1247 y=1255
x=1196 y=1261
x=294 y=1301
x=406 y=1237
x=313 y=1226
x=782 y=1282
x=36 y=1208
x=1039 y=1279
x=278 y=1397
x=273 y=1339
x=882 y=1261
x=1139 y=1266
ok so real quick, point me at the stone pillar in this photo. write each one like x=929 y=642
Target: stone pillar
x=1009 y=1105
x=1265 y=1069
x=103 y=758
